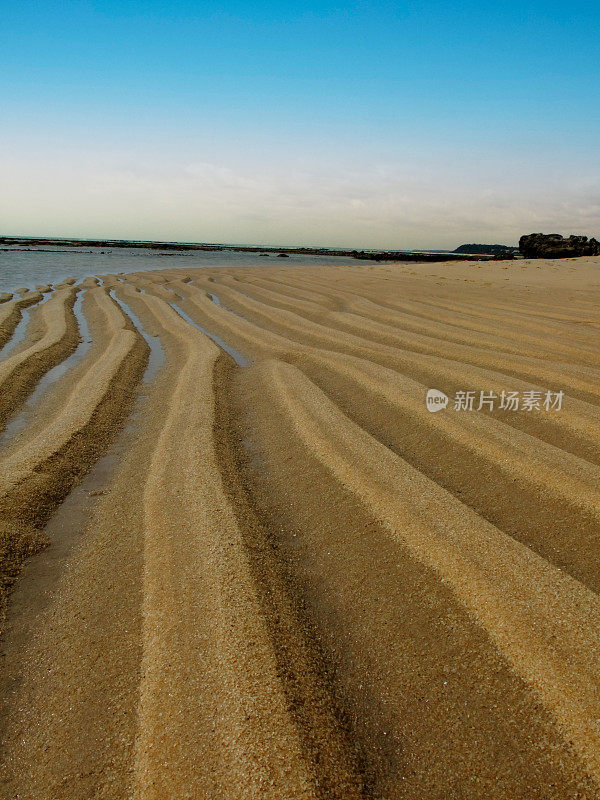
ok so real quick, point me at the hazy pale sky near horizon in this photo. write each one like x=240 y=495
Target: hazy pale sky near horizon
x=357 y=124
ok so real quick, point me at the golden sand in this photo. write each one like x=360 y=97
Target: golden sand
x=296 y=581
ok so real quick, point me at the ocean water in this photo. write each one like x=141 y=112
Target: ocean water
x=28 y=268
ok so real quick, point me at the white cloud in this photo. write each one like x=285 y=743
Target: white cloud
x=419 y=203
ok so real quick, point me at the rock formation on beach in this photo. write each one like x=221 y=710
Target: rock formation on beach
x=553 y=245
x=487 y=249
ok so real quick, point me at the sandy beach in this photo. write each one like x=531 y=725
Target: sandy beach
x=241 y=558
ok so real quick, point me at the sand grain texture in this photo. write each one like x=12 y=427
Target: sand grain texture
x=291 y=580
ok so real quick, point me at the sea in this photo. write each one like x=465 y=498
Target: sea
x=22 y=267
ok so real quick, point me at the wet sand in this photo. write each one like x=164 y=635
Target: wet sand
x=240 y=558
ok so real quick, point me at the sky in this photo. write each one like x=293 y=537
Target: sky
x=357 y=124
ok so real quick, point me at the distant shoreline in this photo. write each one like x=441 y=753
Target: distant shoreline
x=26 y=243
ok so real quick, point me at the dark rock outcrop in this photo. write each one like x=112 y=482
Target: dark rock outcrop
x=282 y=255
x=553 y=245
x=487 y=249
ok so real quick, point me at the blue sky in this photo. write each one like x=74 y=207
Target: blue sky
x=357 y=124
